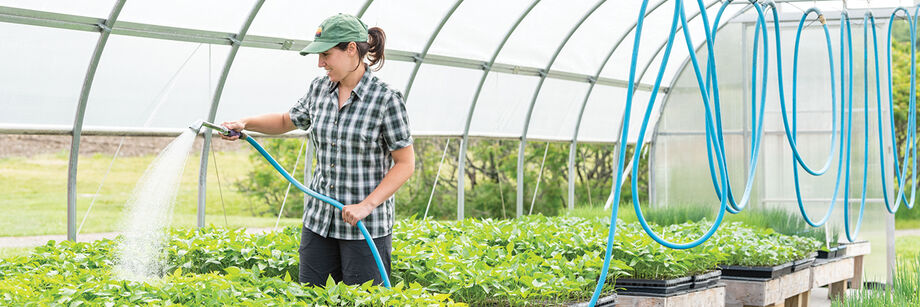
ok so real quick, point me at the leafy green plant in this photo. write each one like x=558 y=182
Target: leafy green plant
x=784 y=222
x=530 y=260
x=678 y=214
x=748 y=246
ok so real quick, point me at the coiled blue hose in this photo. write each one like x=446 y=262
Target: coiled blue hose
x=756 y=117
x=714 y=134
x=326 y=199
x=791 y=135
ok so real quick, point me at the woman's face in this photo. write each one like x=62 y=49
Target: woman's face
x=338 y=63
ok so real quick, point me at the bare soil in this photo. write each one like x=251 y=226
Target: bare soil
x=30 y=145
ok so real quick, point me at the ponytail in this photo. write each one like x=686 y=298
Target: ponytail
x=372 y=49
x=376 y=41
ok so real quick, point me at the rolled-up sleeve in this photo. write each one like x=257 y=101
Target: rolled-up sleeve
x=300 y=112
x=396 y=130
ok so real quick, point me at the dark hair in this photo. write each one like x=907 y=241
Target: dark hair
x=372 y=49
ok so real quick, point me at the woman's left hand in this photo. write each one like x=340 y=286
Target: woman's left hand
x=351 y=214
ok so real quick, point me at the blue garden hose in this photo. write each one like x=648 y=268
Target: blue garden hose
x=268 y=157
x=911 y=150
x=326 y=199
x=756 y=117
x=715 y=141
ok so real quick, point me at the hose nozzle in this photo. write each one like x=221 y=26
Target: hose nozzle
x=197 y=125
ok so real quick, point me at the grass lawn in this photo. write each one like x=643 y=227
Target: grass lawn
x=907 y=246
x=14 y=251
x=906 y=223
x=33 y=193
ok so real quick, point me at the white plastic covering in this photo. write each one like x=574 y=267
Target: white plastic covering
x=166 y=81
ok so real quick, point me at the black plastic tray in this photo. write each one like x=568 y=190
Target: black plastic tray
x=831 y=253
x=604 y=301
x=757 y=272
x=706 y=279
x=841 y=250
x=802 y=264
x=653 y=287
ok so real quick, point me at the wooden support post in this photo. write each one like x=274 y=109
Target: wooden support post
x=798 y=300
x=837 y=289
x=857 y=280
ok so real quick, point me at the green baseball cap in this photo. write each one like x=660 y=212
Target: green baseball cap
x=334 y=30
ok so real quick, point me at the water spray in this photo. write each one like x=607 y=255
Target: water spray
x=196 y=127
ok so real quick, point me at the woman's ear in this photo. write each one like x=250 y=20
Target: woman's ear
x=352 y=48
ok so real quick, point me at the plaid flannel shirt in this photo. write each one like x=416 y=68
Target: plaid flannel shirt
x=353 y=146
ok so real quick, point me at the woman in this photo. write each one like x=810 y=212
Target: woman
x=360 y=128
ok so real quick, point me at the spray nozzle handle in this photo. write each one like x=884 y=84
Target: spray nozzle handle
x=232 y=133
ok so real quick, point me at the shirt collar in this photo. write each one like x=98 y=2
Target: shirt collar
x=362 y=85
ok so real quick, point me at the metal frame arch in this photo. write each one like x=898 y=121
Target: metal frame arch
x=573 y=144
x=461 y=172
x=523 y=144
x=363 y=8
x=236 y=42
x=106 y=29
x=421 y=57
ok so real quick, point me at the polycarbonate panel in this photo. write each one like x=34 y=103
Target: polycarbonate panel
x=266 y=81
x=814 y=93
x=477 y=28
x=145 y=82
x=91 y=8
x=213 y=15
x=774 y=185
x=556 y=109
x=681 y=171
x=298 y=19
x=436 y=108
x=535 y=40
x=40 y=84
x=588 y=47
x=503 y=104
x=407 y=23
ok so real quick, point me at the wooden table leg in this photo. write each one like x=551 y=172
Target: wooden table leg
x=799 y=300
x=837 y=289
x=857 y=280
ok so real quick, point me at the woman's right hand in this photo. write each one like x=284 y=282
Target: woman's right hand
x=237 y=126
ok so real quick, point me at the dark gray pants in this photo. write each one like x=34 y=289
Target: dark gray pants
x=350 y=261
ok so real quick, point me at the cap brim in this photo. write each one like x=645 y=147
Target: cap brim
x=317 y=47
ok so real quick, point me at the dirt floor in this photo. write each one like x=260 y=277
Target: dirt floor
x=30 y=145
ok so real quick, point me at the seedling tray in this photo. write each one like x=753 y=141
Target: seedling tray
x=604 y=301
x=802 y=264
x=706 y=279
x=831 y=253
x=841 y=250
x=653 y=287
x=757 y=272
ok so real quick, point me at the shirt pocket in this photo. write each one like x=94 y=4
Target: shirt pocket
x=367 y=137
